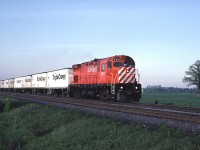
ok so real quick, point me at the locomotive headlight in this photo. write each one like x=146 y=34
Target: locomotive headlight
x=121 y=87
x=136 y=87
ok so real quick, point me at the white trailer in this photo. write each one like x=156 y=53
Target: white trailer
x=11 y=84
x=26 y=81
x=58 y=81
x=18 y=84
x=6 y=84
x=39 y=82
x=26 y=84
x=1 y=85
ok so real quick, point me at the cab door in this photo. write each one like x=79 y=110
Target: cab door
x=102 y=71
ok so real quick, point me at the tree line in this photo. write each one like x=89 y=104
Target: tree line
x=160 y=89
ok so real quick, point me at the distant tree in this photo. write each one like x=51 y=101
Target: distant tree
x=193 y=75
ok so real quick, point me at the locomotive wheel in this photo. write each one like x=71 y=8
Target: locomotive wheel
x=104 y=96
x=71 y=94
x=77 y=94
x=136 y=99
x=121 y=97
x=100 y=96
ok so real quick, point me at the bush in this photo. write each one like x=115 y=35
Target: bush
x=2 y=105
x=7 y=104
x=39 y=130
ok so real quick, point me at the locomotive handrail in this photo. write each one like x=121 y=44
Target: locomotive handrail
x=138 y=75
x=112 y=85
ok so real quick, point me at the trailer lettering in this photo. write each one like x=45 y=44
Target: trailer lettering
x=27 y=80
x=59 y=77
x=40 y=78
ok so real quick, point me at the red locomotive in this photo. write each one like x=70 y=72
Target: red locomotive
x=108 y=78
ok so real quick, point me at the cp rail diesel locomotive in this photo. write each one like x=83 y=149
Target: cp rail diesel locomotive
x=109 y=78
x=112 y=77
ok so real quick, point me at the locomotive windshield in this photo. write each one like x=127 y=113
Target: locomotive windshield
x=129 y=62
x=118 y=64
x=124 y=64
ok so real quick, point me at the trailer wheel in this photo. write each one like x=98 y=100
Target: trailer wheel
x=71 y=94
x=77 y=94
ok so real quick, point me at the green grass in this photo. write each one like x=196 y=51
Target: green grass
x=180 y=99
x=44 y=127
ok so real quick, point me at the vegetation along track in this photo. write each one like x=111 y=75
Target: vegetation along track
x=184 y=114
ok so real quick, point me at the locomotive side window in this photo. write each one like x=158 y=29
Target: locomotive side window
x=103 y=67
x=109 y=65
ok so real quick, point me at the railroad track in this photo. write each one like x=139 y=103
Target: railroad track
x=184 y=114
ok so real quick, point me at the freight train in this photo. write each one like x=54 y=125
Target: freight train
x=109 y=78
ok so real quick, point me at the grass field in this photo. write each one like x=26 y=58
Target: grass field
x=180 y=99
x=33 y=126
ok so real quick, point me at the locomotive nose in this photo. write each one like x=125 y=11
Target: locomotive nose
x=128 y=70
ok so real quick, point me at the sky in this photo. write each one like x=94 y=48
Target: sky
x=162 y=36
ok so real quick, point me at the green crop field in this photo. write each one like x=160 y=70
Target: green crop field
x=33 y=126
x=180 y=99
